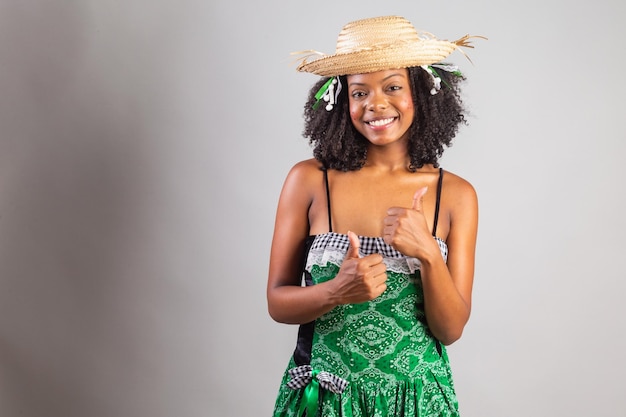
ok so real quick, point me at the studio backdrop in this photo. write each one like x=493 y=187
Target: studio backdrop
x=143 y=146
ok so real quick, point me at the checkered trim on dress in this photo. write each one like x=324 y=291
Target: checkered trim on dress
x=301 y=376
x=369 y=245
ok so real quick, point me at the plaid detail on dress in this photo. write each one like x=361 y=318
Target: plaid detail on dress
x=369 y=245
x=301 y=376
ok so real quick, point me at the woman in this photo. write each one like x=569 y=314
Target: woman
x=385 y=238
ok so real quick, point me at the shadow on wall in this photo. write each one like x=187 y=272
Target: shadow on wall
x=68 y=176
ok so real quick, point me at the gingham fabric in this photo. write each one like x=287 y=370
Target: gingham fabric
x=332 y=247
x=301 y=376
x=369 y=245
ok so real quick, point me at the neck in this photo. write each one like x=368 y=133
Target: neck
x=389 y=158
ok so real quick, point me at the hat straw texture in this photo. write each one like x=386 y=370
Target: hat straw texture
x=377 y=44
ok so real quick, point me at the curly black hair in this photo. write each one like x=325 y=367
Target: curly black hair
x=338 y=145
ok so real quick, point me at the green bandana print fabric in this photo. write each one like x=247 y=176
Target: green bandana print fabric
x=383 y=348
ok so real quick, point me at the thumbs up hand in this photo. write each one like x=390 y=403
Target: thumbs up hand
x=360 y=278
x=355 y=245
x=406 y=229
x=418 y=199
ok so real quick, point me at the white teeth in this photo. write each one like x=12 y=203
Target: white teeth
x=381 y=122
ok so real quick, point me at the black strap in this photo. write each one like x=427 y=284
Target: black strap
x=438 y=202
x=330 y=222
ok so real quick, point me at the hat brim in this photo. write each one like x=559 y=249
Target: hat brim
x=424 y=52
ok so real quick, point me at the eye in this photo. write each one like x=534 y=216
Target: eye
x=395 y=88
x=358 y=94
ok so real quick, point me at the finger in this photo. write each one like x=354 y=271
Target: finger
x=374 y=259
x=355 y=244
x=379 y=271
x=392 y=214
x=418 y=198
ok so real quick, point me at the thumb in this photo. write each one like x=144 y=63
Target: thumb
x=355 y=244
x=418 y=198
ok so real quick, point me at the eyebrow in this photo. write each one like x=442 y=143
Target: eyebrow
x=384 y=79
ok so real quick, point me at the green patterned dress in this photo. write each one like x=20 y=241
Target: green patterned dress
x=381 y=354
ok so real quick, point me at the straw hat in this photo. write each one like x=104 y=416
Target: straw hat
x=379 y=43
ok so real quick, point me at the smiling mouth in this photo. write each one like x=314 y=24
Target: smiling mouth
x=381 y=122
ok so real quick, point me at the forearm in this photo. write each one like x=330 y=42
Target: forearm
x=292 y=304
x=446 y=310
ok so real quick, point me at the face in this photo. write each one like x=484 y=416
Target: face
x=381 y=106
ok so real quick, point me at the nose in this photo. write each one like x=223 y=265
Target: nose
x=377 y=102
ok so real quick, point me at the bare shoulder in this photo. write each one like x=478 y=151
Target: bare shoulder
x=303 y=180
x=304 y=174
x=454 y=185
x=306 y=168
x=460 y=201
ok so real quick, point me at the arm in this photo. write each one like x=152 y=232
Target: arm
x=358 y=280
x=447 y=287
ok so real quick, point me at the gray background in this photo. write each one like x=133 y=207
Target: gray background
x=143 y=145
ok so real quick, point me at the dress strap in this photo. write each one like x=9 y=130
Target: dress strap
x=438 y=202
x=330 y=222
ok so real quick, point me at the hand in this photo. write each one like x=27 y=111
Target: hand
x=359 y=279
x=406 y=229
